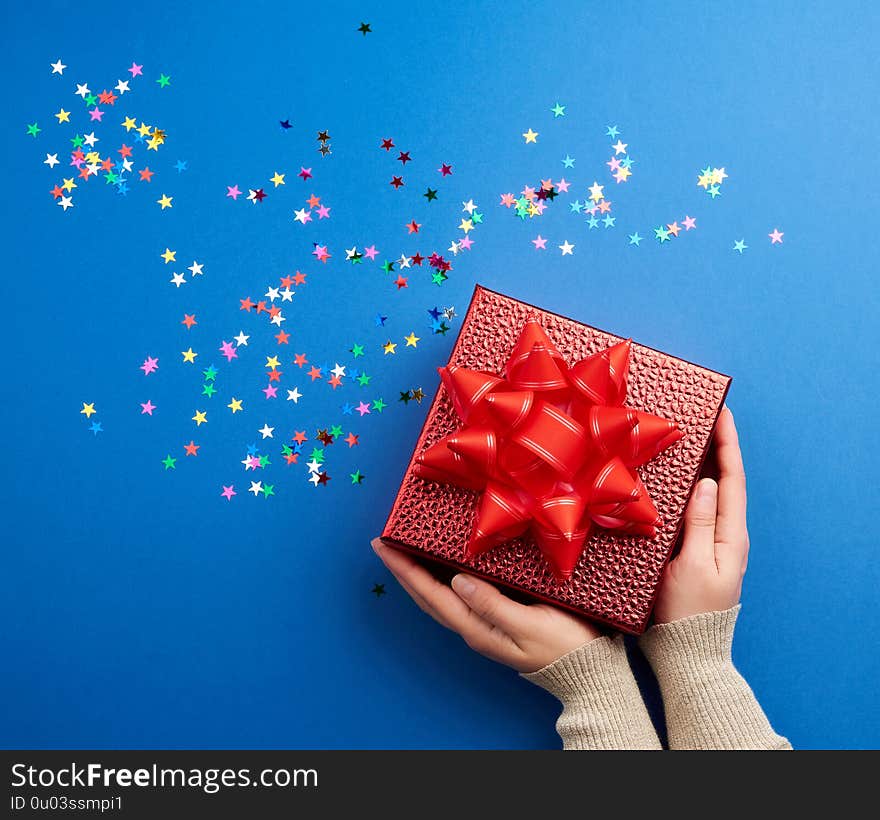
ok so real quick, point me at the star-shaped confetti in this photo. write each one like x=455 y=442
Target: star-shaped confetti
x=331 y=367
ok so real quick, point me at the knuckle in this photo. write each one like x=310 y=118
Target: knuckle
x=700 y=518
x=476 y=642
x=485 y=603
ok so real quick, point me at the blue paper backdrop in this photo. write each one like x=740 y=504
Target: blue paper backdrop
x=141 y=609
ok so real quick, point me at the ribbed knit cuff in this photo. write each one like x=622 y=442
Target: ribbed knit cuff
x=707 y=702
x=602 y=705
x=700 y=639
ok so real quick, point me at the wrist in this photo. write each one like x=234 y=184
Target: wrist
x=568 y=677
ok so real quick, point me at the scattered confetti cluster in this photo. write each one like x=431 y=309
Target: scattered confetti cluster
x=710 y=179
x=620 y=165
x=88 y=410
x=119 y=166
x=293 y=376
x=346 y=371
x=324 y=143
x=178 y=278
x=671 y=230
x=533 y=201
x=312 y=206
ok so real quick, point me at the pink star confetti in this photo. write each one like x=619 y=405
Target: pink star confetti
x=228 y=350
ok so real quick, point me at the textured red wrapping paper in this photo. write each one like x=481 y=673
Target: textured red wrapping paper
x=617 y=577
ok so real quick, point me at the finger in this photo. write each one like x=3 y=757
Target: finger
x=493 y=606
x=698 y=544
x=731 y=534
x=442 y=601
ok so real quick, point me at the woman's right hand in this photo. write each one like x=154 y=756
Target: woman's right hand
x=707 y=574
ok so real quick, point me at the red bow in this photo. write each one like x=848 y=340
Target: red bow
x=551 y=447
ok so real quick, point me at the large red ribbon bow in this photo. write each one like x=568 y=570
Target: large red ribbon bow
x=551 y=447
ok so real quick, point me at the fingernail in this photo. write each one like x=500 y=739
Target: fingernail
x=377 y=546
x=705 y=489
x=729 y=410
x=463 y=586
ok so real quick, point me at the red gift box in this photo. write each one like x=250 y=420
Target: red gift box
x=613 y=576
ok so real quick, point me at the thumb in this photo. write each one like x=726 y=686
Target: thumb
x=699 y=522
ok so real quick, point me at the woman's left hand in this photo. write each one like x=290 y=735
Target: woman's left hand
x=524 y=636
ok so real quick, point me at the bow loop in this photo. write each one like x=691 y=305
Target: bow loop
x=440 y=463
x=509 y=410
x=653 y=436
x=601 y=378
x=613 y=483
x=562 y=551
x=535 y=363
x=478 y=446
x=467 y=389
x=611 y=428
x=500 y=517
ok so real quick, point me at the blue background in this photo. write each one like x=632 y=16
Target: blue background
x=140 y=609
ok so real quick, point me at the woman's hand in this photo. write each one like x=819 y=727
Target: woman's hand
x=707 y=573
x=526 y=637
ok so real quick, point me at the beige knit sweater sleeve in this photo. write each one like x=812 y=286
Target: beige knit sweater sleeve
x=708 y=704
x=602 y=707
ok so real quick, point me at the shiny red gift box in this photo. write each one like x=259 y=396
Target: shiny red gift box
x=617 y=575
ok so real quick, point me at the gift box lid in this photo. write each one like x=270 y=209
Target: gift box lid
x=617 y=577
